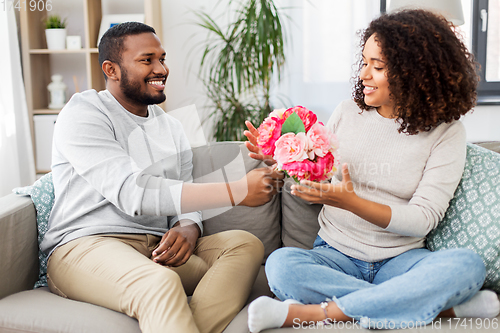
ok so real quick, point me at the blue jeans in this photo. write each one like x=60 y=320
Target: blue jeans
x=408 y=290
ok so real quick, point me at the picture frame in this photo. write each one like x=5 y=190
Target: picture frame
x=111 y=20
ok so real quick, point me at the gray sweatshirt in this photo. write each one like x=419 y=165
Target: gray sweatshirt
x=416 y=175
x=115 y=172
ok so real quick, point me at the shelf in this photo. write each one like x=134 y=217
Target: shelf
x=65 y=51
x=45 y=111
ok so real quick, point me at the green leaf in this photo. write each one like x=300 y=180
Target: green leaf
x=293 y=124
x=287 y=175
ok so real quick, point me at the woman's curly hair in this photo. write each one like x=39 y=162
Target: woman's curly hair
x=431 y=74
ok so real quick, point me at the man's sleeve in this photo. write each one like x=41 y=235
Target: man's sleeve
x=85 y=137
x=186 y=157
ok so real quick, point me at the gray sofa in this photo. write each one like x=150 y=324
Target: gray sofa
x=284 y=221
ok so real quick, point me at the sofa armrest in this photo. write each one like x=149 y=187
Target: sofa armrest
x=18 y=244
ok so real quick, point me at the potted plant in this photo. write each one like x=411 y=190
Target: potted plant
x=238 y=66
x=55 y=32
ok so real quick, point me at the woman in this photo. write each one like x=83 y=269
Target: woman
x=403 y=154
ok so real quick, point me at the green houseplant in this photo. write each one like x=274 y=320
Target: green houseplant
x=54 y=22
x=55 y=32
x=239 y=64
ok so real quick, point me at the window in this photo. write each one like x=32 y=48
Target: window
x=486 y=48
x=481 y=32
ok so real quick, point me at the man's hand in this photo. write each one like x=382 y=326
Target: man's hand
x=255 y=152
x=177 y=245
x=260 y=185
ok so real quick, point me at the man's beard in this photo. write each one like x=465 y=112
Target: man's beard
x=133 y=91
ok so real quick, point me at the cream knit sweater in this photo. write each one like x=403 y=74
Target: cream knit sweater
x=416 y=175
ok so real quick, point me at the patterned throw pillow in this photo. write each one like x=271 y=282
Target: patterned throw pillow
x=473 y=218
x=42 y=195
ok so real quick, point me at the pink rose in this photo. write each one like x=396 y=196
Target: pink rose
x=300 y=170
x=291 y=148
x=322 y=169
x=277 y=113
x=269 y=133
x=321 y=141
x=308 y=117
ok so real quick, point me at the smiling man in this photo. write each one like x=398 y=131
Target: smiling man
x=124 y=232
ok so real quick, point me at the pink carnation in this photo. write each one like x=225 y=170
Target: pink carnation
x=308 y=117
x=269 y=133
x=321 y=140
x=291 y=148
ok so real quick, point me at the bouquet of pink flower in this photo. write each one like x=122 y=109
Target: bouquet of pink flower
x=303 y=147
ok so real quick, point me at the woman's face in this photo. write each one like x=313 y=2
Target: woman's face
x=374 y=77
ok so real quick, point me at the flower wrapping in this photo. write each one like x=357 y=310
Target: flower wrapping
x=303 y=147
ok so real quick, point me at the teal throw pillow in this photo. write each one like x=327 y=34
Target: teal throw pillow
x=42 y=195
x=473 y=218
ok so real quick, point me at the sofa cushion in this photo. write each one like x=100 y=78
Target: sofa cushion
x=42 y=195
x=39 y=310
x=299 y=219
x=473 y=217
x=226 y=162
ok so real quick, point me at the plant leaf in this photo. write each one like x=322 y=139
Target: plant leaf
x=293 y=124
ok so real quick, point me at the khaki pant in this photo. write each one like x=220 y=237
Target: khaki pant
x=115 y=271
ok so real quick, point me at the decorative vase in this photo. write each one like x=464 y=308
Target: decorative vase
x=56 y=39
x=57 y=90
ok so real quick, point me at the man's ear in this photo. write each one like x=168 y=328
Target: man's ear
x=111 y=69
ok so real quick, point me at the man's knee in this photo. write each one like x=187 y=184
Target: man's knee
x=161 y=281
x=241 y=239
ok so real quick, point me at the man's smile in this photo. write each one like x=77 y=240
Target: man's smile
x=157 y=83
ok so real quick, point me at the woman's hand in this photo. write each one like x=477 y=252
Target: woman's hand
x=255 y=152
x=340 y=195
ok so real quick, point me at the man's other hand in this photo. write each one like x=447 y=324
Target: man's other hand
x=177 y=244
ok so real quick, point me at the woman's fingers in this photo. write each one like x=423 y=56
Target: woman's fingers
x=252 y=128
x=305 y=190
x=307 y=196
x=252 y=148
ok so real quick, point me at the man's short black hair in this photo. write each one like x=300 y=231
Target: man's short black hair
x=111 y=44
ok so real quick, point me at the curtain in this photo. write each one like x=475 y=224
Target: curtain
x=322 y=47
x=16 y=153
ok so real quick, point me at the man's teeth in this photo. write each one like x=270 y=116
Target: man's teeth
x=156 y=83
